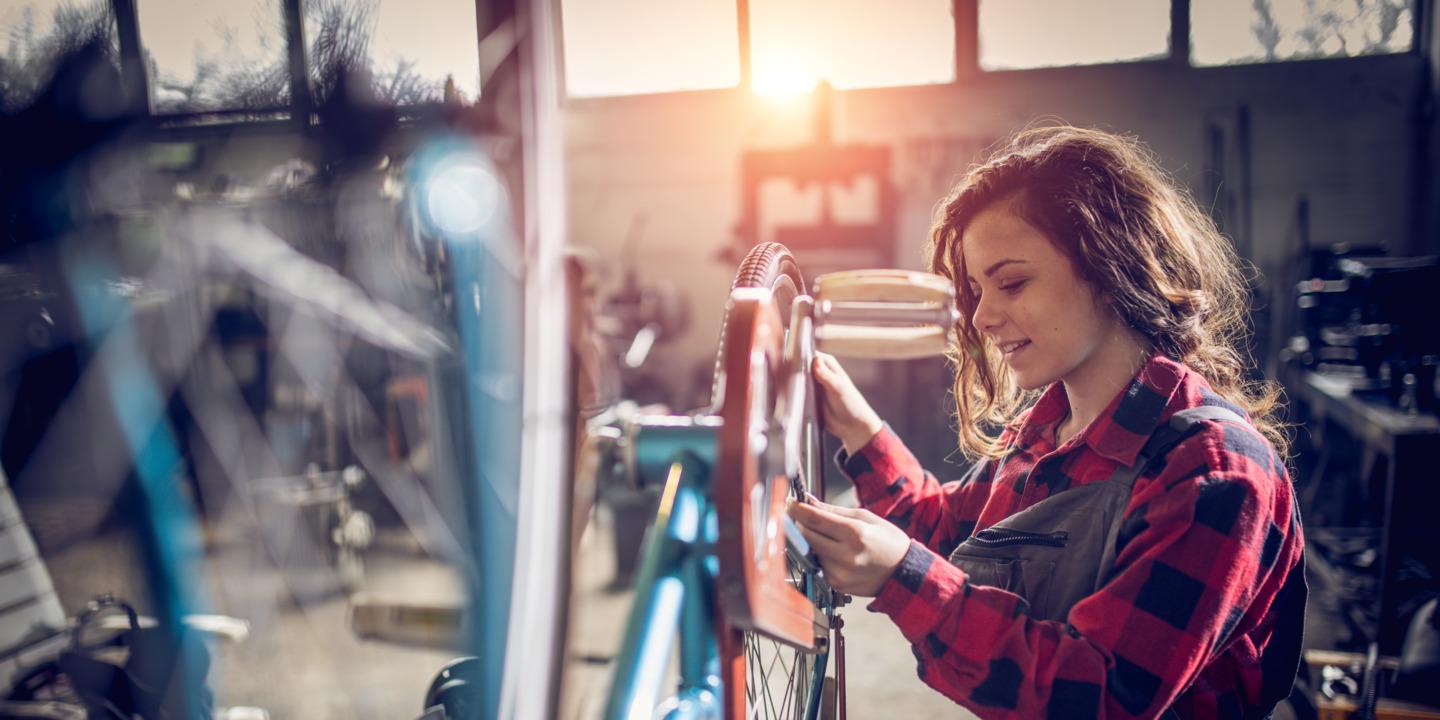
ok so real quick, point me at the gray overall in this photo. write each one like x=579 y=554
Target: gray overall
x=1062 y=549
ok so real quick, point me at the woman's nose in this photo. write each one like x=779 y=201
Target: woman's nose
x=985 y=316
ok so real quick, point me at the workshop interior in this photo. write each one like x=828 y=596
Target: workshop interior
x=326 y=322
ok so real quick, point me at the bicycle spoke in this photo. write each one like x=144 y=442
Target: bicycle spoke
x=780 y=679
x=776 y=668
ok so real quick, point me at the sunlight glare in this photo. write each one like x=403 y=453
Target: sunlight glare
x=851 y=43
x=786 y=76
x=628 y=47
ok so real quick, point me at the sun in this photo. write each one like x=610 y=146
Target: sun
x=783 y=76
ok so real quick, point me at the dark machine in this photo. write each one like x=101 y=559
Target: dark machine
x=1360 y=372
x=1369 y=318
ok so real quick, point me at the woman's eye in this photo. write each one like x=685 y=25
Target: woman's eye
x=1011 y=286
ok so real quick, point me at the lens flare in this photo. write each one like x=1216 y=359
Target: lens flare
x=462 y=196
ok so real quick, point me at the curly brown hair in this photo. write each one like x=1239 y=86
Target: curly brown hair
x=1134 y=235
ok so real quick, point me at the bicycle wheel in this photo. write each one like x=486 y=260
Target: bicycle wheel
x=774 y=629
x=767 y=265
x=771 y=266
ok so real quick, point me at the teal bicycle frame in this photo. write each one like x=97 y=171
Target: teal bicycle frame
x=675 y=586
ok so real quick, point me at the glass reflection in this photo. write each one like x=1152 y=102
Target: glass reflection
x=40 y=32
x=1018 y=34
x=1230 y=32
x=409 y=50
x=205 y=56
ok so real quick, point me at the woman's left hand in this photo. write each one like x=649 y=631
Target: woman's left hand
x=858 y=549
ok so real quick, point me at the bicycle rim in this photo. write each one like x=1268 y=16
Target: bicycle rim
x=769 y=678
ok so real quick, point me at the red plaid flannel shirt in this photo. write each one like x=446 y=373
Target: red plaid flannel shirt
x=1210 y=539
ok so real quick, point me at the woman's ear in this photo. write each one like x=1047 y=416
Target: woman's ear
x=1107 y=303
x=1103 y=299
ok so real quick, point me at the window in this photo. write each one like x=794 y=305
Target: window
x=629 y=47
x=626 y=47
x=40 y=32
x=205 y=56
x=1228 y=32
x=852 y=44
x=1017 y=34
x=409 y=47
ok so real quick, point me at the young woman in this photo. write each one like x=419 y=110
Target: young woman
x=1126 y=543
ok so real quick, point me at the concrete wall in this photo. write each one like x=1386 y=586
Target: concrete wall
x=1348 y=135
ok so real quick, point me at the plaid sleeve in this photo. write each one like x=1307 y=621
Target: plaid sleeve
x=890 y=483
x=1207 y=546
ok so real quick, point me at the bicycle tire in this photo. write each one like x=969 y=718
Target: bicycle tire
x=772 y=266
x=767 y=265
x=765 y=676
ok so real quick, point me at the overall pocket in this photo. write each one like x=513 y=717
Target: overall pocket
x=1016 y=561
x=997 y=537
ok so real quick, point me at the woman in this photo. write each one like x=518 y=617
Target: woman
x=1126 y=544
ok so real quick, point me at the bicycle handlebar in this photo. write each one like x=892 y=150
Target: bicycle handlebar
x=883 y=285
x=882 y=343
x=883 y=314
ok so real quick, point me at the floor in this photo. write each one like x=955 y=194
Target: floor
x=881 y=669
x=301 y=660
x=881 y=680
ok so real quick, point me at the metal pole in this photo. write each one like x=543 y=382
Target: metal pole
x=967 y=38
x=132 y=58
x=742 y=25
x=301 y=101
x=1180 y=32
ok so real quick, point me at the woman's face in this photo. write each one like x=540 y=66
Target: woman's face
x=1045 y=320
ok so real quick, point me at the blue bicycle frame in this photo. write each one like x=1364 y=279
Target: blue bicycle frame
x=675 y=586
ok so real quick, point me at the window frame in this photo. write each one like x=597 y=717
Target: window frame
x=298 y=114
x=966 y=14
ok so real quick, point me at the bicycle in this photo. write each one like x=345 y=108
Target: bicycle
x=722 y=565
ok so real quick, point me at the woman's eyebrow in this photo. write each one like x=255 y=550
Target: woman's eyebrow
x=995 y=267
x=1002 y=263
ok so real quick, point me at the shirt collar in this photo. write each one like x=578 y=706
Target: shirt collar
x=1122 y=428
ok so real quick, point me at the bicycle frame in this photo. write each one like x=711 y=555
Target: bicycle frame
x=714 y=563
x=680 y=589
x=675 y=588
x=672 y=591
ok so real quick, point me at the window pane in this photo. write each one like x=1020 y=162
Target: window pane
x=852 y=44
x=1016 y=34
x=214 y=56
x=409 y=47
x=629 y=47
x=38 y=33
x=1226 y=32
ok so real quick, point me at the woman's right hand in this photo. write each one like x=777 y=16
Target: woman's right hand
x=858 y=549
x=847 y=414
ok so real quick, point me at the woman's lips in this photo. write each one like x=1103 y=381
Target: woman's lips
x=1011 y=349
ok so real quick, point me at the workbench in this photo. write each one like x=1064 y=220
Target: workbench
x=1400 y=461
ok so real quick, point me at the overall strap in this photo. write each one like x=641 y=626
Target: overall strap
x=1164 y=439
x=1184 y=419
x=1167 y=436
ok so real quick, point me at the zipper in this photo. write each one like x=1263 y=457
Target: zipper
x=1005 y=537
